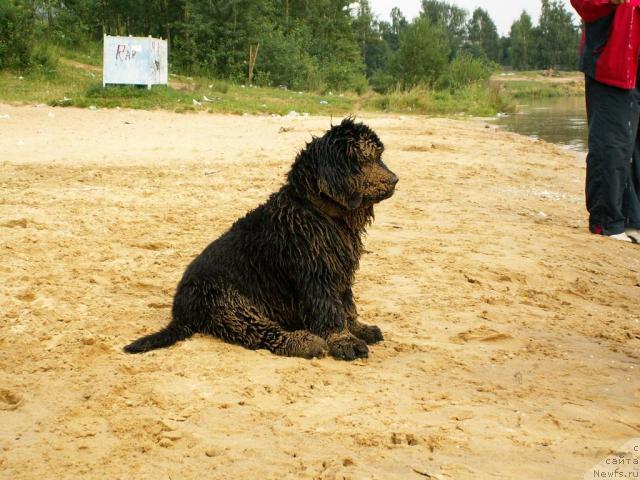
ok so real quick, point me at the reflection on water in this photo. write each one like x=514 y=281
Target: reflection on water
x=560 y=120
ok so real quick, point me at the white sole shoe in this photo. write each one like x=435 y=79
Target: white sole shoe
x=633 y=234
x=623 y=237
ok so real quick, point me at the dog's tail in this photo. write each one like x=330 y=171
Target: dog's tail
x=169 y=335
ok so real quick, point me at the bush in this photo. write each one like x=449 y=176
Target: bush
x=481 y=98
x=286 y=61
x=423 y=55
x=344 y=76
x=44 y=59
x=499 y=99
x=466 y=70
x=417 y=100
x=360 y=85
x=382 y=81
x=220 y=86
x=283 y=60
x=17 y=24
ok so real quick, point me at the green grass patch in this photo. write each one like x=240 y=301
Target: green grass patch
x=71 y=86
x=536 y=89
x=38 y=87
x=479 y=99
x=76 y=81
x=533 y=84
x=89 y=53
x=217 y=97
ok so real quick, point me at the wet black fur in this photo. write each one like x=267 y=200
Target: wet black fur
x=281 y=277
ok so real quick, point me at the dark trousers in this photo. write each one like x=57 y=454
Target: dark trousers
x=613 y=162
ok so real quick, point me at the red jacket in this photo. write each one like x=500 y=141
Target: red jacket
x=610 y=42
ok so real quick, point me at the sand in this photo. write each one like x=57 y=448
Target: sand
x=512 y=335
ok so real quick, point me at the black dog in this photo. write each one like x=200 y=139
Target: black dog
x=281 y=277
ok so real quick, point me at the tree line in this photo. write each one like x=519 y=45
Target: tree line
x=303 y=44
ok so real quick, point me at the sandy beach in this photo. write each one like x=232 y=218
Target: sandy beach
x=512 y=344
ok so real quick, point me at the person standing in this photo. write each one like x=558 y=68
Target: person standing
x=609 y=59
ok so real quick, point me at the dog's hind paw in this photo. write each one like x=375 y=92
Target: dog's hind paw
x=347 y=347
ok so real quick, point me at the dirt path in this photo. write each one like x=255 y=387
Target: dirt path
x=513 y=336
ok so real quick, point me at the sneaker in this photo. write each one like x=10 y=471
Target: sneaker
x=623 y=237
x=633 y=234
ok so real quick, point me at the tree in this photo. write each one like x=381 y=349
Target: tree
x=284 y=60
x=521 y=51
x=382 y=56
x=17 y=24
x=214 y=35
x=375 y=52
x=558 y=37
x=391 y=31
x=505 y=46
x=451 y=18
x=362 y=24
x=424 y=53
x=483 y=38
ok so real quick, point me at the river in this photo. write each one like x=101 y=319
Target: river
x=560 y=120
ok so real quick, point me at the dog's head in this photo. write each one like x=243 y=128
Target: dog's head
x=343 y=170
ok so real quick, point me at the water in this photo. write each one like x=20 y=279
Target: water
x=561 y=120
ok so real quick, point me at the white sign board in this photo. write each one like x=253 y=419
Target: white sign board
x=135 y=61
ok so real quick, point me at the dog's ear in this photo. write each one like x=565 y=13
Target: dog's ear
x=349 y=201
x=337 y=182
x=333 y=160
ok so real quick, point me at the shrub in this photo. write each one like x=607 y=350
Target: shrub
x=382 y=81
x=499 y=99
x=44 y=59
x=220 y=86
x=417 y=100
x=283 y=60
x=466 y=70
x=17 y=24
x=423 y=55
x=344 y=76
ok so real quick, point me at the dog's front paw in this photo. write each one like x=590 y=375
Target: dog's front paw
x=369 y=333
x=306 y=345
x=347 y=347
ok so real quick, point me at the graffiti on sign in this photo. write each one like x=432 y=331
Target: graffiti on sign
x=125 y=52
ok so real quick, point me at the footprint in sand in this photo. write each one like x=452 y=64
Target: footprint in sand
x=481 y=334
x=154 y=246
x=10 y=400
x=22 y=223
x=26 y=296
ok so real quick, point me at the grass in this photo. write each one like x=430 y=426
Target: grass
x=39 y=87
x=90 y=53
x=533 y=89
x=476 y=99
x=79 y=87
x=533 y=84
x=76 y=81
x=203 y=95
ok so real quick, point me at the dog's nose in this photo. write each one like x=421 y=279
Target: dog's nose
x=394 y=179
